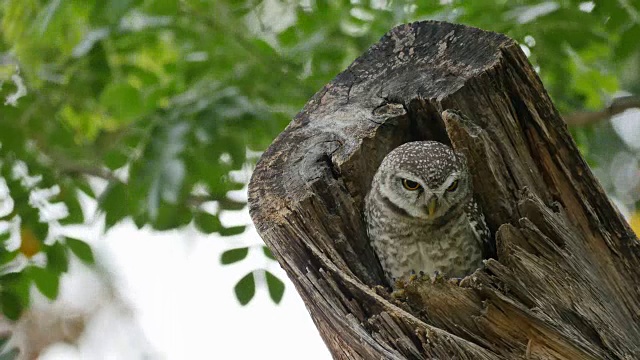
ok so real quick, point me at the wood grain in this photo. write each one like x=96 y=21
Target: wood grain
x=565 y=281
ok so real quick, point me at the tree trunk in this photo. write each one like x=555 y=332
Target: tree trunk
x=564 y=283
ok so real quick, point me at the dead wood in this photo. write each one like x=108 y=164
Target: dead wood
x=565 y=281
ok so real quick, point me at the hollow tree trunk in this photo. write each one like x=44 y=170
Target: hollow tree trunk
x=565 y=281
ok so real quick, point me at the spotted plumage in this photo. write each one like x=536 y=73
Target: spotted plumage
x=421 y=214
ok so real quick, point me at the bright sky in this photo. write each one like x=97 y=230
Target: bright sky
x=184 y=304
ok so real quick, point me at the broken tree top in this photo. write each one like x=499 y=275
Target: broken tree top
x=565 y=281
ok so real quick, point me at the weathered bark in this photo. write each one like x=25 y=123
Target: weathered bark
x=565 y=281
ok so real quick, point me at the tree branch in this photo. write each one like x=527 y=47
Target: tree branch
x=224 y=202
x=78 y=169
x=617 y=106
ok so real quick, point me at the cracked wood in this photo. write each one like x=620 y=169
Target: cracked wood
x=565 y=281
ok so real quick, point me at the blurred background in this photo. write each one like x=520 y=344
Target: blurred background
x=129 y=130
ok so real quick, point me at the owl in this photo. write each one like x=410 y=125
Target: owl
x=421 y=214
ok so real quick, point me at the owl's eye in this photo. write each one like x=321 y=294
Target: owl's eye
x=410 y=185
x=453 y=186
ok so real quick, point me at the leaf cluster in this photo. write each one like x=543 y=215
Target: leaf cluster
x=169 y=101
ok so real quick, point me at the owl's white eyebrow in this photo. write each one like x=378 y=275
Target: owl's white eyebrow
x=450 y=179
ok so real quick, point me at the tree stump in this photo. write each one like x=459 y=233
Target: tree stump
x=564 y=283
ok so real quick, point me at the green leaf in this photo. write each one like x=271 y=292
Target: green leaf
x=81 y=250
x=114 y=202
x=245 y=289
x=228 y=204
x=234 y=255
x=44 y=18
x=40 y=230
x=123 y=101
x=47 y=282
x=116 y=159
x=207 y=223
x=22 y=288
x=75 y=210
x=140 y=220
x=162 y=7
x=268 y=253
x=275 y=286
x=10 y=279
x=289 y=37
x=6 y=256
x=111 y=11
x=233 y=230
x=263 y=48
x=11 y=305
x=171 y=216
x=57 y=258
x=160 y=174
x=628 y=43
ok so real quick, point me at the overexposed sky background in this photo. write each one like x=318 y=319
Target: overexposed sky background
x=184 y=299
x=181 y=300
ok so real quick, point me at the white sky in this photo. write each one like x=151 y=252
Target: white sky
x=184 y=304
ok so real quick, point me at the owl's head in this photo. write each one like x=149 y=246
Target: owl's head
x=424 y=179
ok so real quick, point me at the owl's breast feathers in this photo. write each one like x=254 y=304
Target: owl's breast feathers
x=454 y=247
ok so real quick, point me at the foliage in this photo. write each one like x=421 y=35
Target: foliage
x=7 y=354
x=165 y=99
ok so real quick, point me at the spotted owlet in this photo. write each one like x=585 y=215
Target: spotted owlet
x=421 y=214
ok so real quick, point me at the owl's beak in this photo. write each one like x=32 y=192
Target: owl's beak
x=433 y=204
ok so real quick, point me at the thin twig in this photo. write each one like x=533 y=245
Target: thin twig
x=617 y=106
x=77 y=169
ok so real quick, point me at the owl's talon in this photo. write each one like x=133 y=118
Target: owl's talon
x=438 y=277
x=398 y=294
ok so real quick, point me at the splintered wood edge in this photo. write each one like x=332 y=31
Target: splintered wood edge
x=281 y=181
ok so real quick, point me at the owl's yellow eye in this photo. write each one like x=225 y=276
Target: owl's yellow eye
x=410 y=185
x=453 y=186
